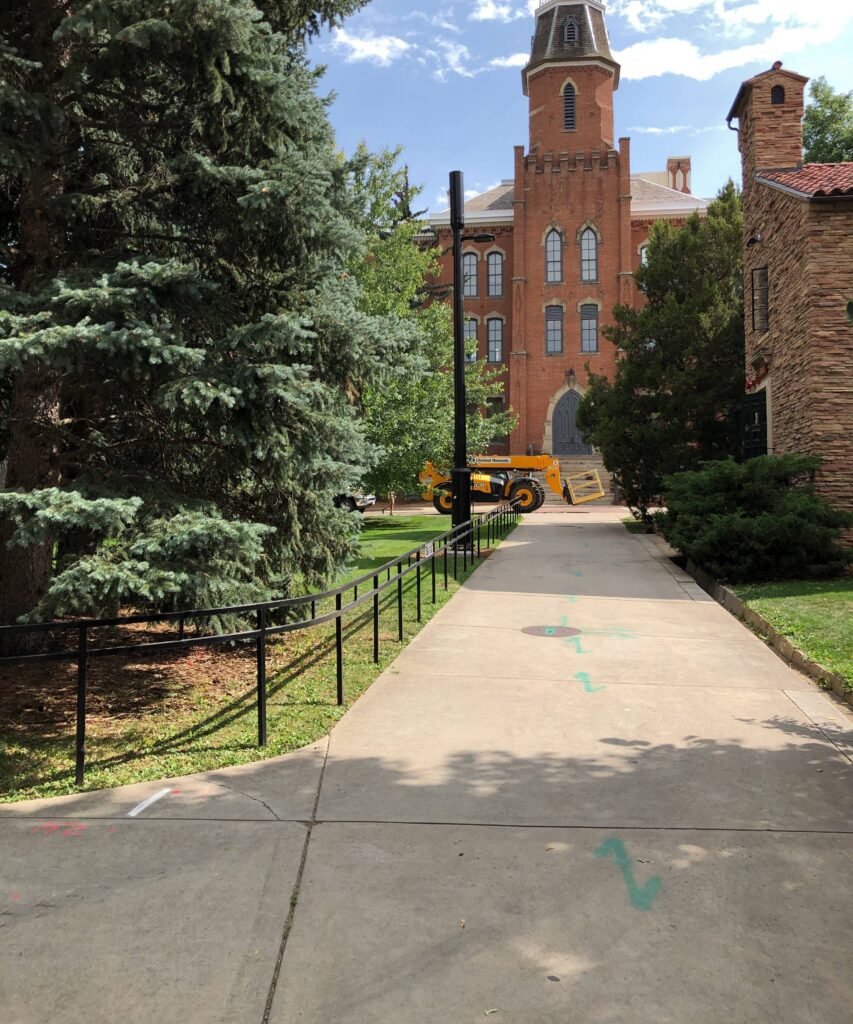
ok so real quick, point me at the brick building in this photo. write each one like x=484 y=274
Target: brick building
x=569 y=227
x=798 y=222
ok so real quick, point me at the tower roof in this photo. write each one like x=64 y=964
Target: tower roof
x=585 y=42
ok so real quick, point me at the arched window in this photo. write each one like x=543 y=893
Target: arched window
x=571 y=33
x=589 y=255
x=470 y=340
x=777 y=95
x=589 y=328
x=569 y=108
x=554 y=257
x=496 y=274
x=644 y=254
x=496 y=340
x=469 y=275
x=553 y=330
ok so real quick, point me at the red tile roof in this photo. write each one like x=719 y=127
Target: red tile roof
x=814 y=180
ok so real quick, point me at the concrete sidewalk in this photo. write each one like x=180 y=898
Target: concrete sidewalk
x=584 y=793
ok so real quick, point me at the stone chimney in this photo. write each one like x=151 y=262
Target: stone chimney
x=769 y=109
x=678 y=173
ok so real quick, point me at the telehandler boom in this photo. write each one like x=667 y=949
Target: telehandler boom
x=510 y=480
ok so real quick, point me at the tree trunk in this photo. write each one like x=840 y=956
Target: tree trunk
x=25 y=572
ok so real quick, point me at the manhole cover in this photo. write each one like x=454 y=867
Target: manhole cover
x=551 y=631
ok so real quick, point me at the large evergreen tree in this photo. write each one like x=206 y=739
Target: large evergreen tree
x=676 y=399
x=182 y=346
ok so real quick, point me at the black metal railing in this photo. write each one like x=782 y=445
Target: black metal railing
x=463 y=543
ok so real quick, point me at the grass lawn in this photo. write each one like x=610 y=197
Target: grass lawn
x=168 y=715
x=386 y=537
x=815 y=615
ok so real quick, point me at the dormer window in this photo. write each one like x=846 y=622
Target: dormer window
x=571 y=31
x=777 y=95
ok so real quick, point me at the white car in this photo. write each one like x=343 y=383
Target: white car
x=355 y=502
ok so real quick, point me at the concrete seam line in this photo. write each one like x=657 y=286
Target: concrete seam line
x=826 y=735
x=792 y=656
x=288 y=924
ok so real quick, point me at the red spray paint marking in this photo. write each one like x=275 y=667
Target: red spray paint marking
x=67 y=828
x=16 y=896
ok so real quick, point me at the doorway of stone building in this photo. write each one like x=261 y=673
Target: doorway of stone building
x=566 y=436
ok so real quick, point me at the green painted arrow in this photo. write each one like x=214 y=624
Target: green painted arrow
x=643 y=897
x=583 y=677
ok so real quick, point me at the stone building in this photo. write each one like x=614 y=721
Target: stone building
x=798 y=222
x=569 y=231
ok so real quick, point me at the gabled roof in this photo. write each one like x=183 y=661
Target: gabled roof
x=648 y=199
x=812 y=181
x=652 y=200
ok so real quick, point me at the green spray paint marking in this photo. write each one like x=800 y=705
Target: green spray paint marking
x=572 y=598
x=641 y=898
x=587 y=684
x=577 y=572
x=564 y=621
x=576 y=640
x=550 y=631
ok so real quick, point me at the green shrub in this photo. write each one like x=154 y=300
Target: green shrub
x=757 y=520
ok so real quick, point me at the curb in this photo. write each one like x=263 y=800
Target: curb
x=790 y=654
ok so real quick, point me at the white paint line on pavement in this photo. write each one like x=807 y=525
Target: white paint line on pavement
x=147 y=803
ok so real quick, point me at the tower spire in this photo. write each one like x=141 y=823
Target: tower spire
x=570 y=34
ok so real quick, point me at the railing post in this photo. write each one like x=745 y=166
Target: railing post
x=82 y=665
x=432 y=569
x=375 y=620
x=313 y=610
x=455 y=556
x=339 y=648
x=479 y=528
x=262 y=677
x=181 y=628
x=400 y=601
x=418 y=581
x=444 y=562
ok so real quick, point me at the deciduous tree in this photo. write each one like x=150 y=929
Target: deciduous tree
x=677 y=394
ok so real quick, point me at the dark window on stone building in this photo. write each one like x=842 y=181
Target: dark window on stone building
x=553 y=330
x=569 y=112
x=777 y=95
x=554 y=257
x=496 y=274
x=469 y=275
x=589 y=328
x=571 y=31
x=760 y=300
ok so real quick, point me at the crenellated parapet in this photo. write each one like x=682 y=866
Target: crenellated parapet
x=572 y=163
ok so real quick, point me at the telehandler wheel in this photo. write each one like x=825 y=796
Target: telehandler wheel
x=540 y=496
x=525 y=493
x=443 y=502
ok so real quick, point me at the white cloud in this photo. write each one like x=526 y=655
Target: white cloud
x=677 y=129
x=494 y=10
x=441 y=19
x=381 y=50
x=515 y=60
x=453 y=58
x=489 y=10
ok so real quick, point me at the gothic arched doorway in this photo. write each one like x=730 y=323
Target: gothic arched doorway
x=566 y=437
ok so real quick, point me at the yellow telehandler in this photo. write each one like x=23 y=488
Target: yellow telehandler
x=510 y=481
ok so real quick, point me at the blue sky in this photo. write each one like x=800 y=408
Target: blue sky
x=443 y=80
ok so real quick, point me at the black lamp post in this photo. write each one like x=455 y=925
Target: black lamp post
x=460 y=476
